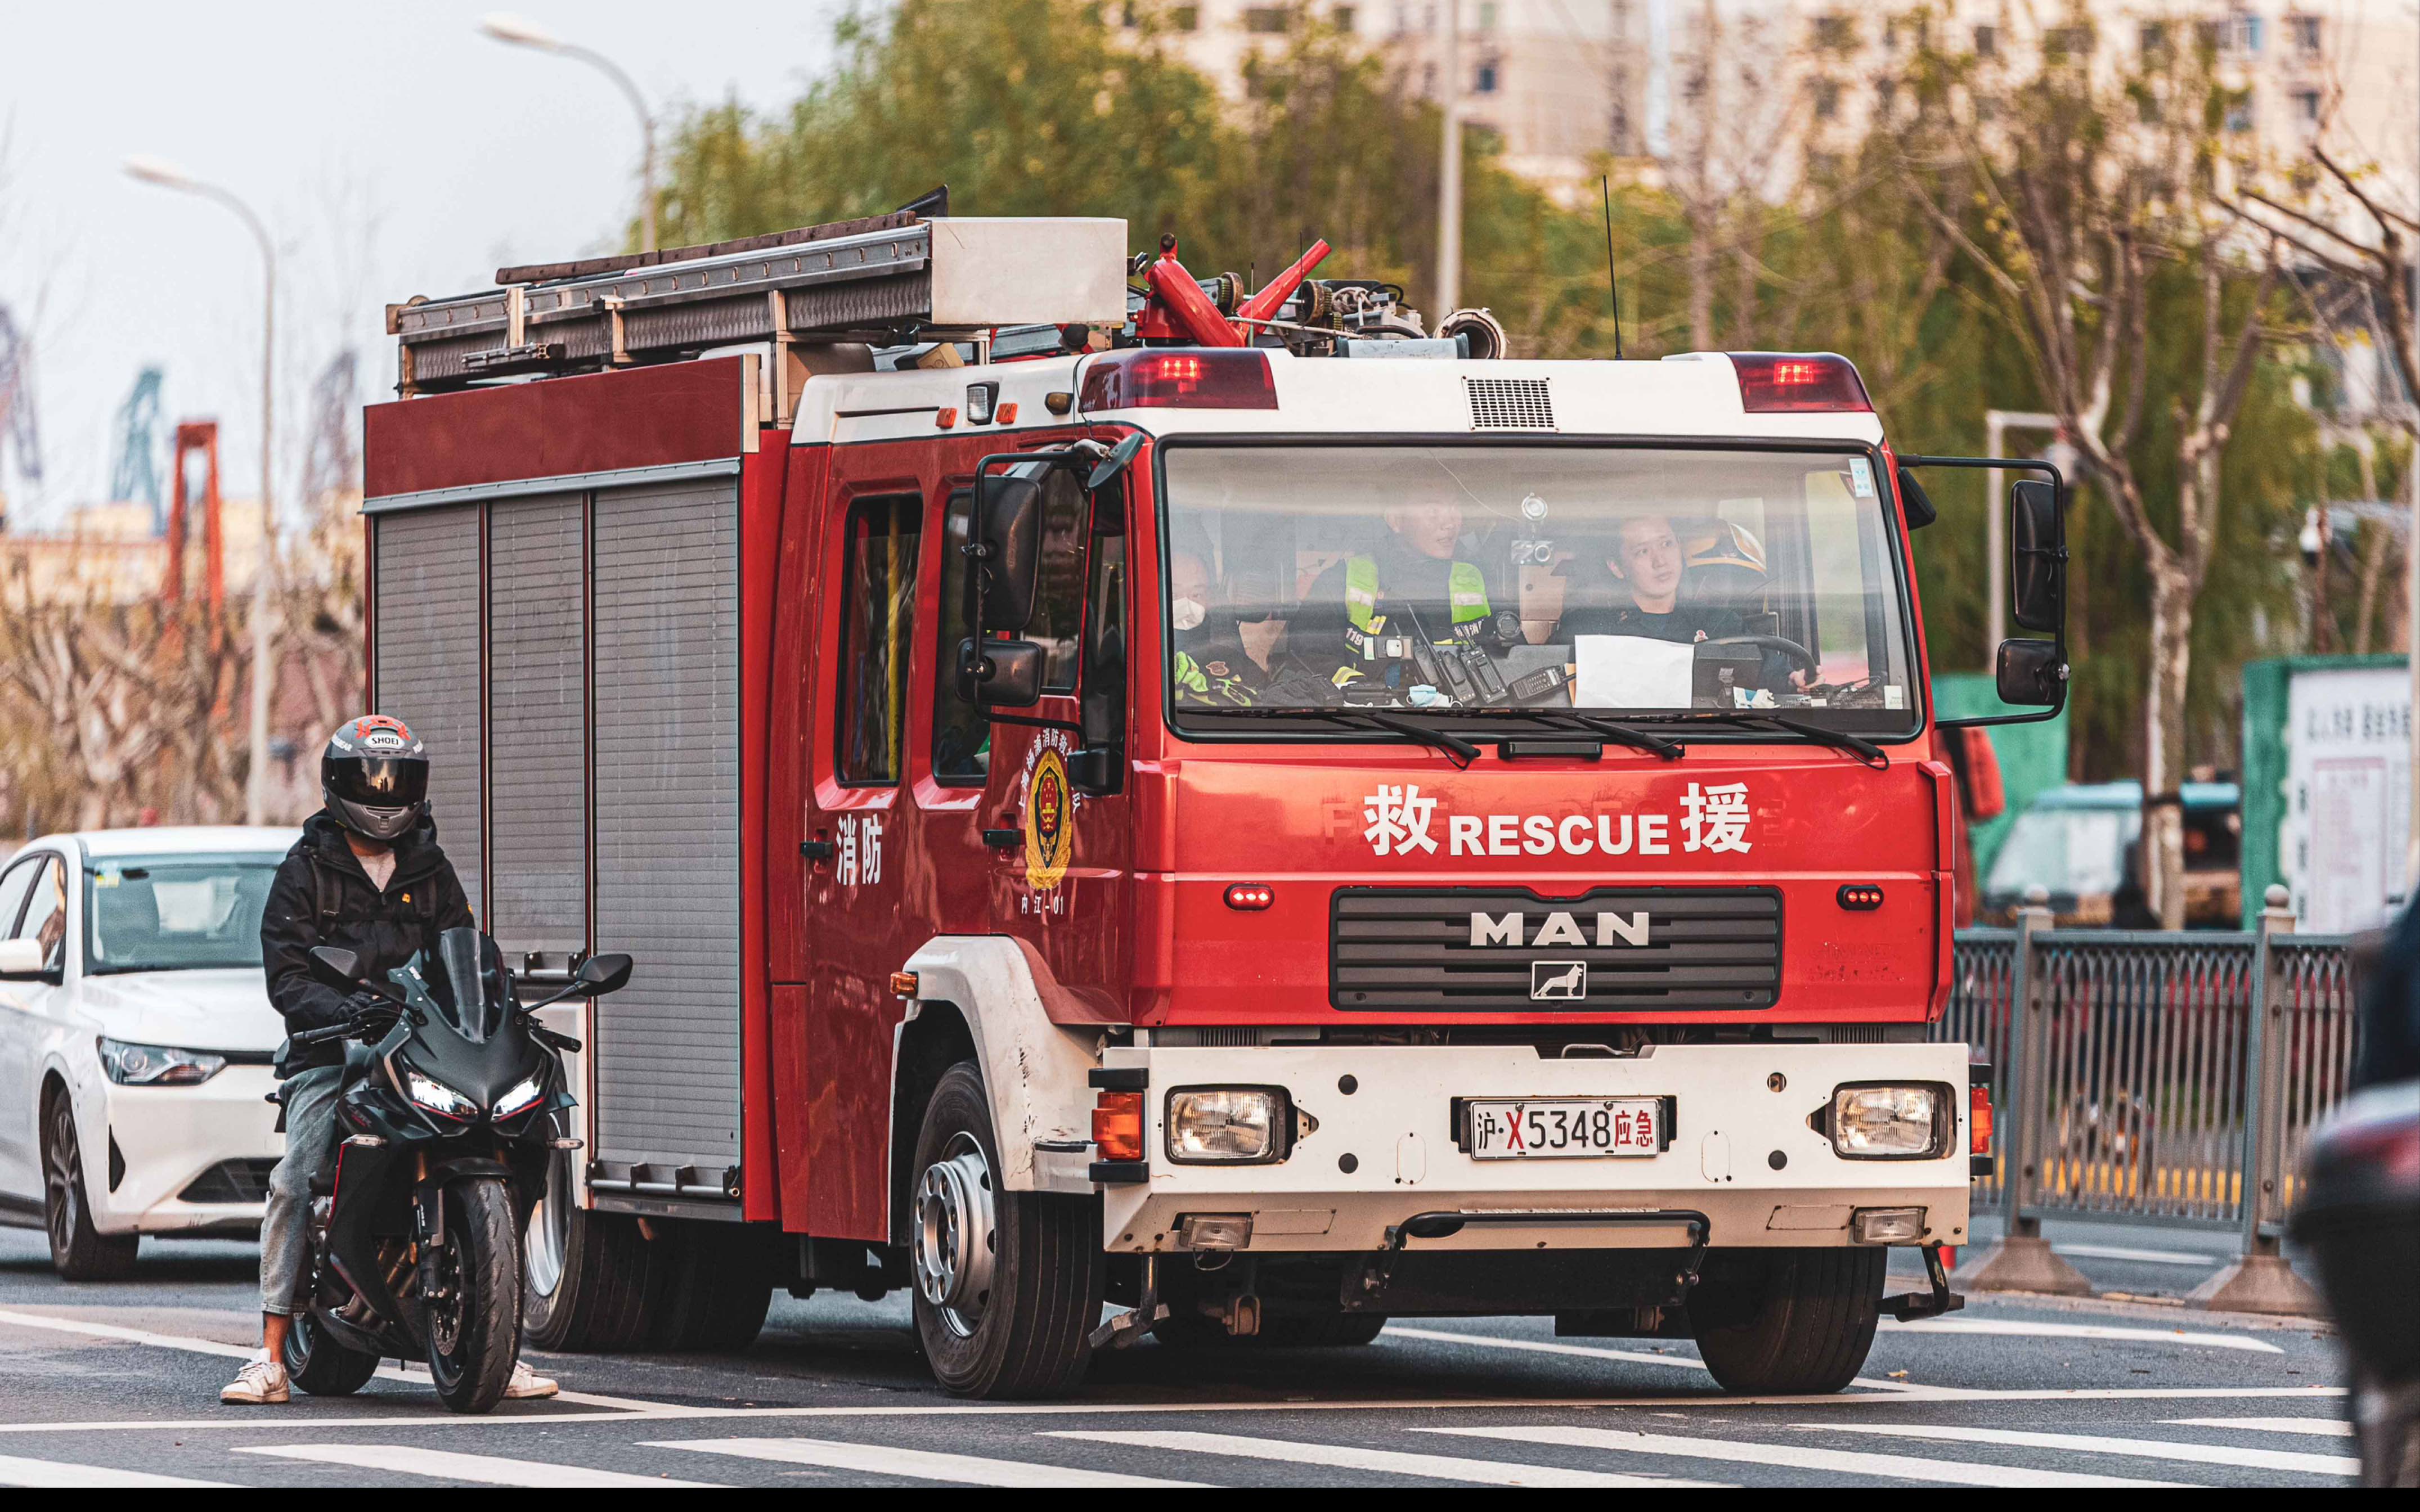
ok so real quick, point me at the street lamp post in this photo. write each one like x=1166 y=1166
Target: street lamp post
x=1449 y=164
x=169 y=175
x=520 y=32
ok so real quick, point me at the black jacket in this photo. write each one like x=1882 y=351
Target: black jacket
x=321 y=896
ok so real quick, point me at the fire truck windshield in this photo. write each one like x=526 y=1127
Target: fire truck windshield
x=1656 y=583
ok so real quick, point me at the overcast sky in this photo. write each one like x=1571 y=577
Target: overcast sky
x=393 y=151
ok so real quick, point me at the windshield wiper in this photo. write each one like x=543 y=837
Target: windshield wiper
x=1452 y=745
x=1858 y=746
x=1621 y=734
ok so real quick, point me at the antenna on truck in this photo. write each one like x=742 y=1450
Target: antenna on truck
x=1611 y=277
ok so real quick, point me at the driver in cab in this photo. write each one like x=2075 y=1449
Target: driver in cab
x=1633 y=588
x=1409 y=585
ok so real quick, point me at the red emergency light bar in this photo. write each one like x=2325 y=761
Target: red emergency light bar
x=1202 y=378
x=1798 y=383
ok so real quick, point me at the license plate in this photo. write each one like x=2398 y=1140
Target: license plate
x=1564 y=1128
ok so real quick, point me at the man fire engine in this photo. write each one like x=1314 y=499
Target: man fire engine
x=796 y=614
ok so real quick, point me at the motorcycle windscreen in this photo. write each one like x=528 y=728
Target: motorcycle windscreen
x=470 y=990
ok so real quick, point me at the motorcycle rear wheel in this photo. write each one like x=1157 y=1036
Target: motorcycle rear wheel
x=475 y=1327
x=322 y=1366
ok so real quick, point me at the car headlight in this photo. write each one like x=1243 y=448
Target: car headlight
x=437 y=1097
x=1228 y=1124
x=524 y=1093
x=152 y=1065
x=1889 y=1122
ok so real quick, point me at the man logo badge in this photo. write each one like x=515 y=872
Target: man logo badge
x=1558 y=980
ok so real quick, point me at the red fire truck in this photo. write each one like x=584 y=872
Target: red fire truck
x=1142 y=809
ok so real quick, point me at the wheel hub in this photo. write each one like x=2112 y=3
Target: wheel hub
x=954 y=1239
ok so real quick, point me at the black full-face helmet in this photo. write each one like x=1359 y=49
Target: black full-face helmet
x=374 y=777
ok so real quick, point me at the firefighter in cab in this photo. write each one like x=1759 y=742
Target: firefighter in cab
x=1410 y=586
x=1212 y=669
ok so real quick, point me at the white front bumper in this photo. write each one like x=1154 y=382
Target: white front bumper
x=1742 y=1153
x=169 y=1136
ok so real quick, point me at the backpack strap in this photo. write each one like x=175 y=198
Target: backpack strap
x=327 y=888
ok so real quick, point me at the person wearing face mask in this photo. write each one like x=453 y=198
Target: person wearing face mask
x=1211 y=668
x=1409 y=584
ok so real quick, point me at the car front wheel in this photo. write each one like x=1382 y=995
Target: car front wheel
x=78 y=1251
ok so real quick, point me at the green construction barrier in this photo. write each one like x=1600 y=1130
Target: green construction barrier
x=2267 y=762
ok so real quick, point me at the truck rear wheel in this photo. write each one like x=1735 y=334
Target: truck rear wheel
x=722 y=1285
x=1787 y=1321
x=588 y=1278
x=1008 y=1284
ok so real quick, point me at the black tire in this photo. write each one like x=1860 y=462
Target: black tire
x=1787 y=1321
x=322 y=1366
x=589 y=1280
x=1279 y=1331
x=472 y=1360
x=721 y=1285
x=1024 y=1333
x=78 y=1251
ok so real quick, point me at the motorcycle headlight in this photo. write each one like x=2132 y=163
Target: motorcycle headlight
x=524 y=1095
x=151 y=1065
x=437 y=1097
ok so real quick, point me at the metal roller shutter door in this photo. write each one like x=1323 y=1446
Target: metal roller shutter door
x=428 y=673
x=666 y=607
x=537 y=723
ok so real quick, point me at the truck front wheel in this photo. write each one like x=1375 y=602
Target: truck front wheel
x=1787 y=1321
x=1008 y=1284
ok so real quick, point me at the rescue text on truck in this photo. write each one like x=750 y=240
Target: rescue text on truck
x=1239 y=815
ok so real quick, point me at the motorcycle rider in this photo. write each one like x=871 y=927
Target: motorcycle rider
x=366 y=876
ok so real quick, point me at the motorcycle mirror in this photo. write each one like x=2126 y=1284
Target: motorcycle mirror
x=602 y=974
x=1121 y=457
x=335 y=966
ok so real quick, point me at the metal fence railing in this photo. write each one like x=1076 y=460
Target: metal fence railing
x=2153 y=1078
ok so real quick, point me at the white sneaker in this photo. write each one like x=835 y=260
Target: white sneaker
x=261 y=1382
x=526 y=1384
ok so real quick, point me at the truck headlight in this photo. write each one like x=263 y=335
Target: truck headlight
x=1882 y=1122
x=1227 y=1125
x=152 y=1065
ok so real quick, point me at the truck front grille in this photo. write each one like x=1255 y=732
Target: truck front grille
x=1508 y=950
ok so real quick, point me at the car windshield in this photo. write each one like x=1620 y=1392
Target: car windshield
x=175 y=912
x=1649 y=584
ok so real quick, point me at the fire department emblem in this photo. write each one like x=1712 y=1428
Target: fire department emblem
x=1050 y=820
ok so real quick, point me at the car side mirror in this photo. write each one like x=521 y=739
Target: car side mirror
x=2031 y=673
x=21 y=960
x=999 y=674
x=602 y=974
x=2037 y=556
x=335 y=966
x=1009 y=561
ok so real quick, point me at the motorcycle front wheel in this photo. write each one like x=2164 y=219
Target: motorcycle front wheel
x=322 y=1366
x=474 y=1319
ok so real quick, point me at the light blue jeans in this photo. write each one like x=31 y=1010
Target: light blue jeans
x=310 y=1149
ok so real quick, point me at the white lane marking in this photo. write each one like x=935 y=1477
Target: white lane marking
x=2147 y=1256
x=2204 y=1453
x=913 y=1464
x=2318 y=1428
x=1378 y=1461
x=2021 y=1329
x=191 y=1343
x=51 y=1476
x=1931 y=1395
x=1794 y=1456
x=447 y=1464
x=1592 y=1352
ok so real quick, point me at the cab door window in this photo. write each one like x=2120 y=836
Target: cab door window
x=1059 y=606
x=878 y=628
x=961 y=733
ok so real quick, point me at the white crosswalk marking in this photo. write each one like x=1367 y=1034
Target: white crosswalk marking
x=50 y=1474
x=913 y=1464
x=1382 y=1461
x=1793 y=1457
x=446 y=1464
x=2027 y=1328
x=2318 y=1428
x=2203 y=1454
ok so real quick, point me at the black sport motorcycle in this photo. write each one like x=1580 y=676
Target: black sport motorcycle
x=2359 y=1216
x=452 y=1107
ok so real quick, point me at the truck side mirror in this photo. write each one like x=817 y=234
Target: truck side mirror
x=999 y=674
x=1121 y=457
x=2037 y=556
x=1918 y=503
x=2031 y=673
x=1096 y=771
x=1010 y=561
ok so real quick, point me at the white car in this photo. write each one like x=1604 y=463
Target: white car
x=137 y=1039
